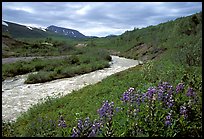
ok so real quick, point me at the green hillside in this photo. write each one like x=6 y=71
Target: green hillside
x=157 y=39
x=172 y=55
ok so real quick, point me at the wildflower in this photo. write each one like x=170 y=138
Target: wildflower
x=190 y=92
x=166 y=87
x=143 y=97
x=138 y=100
x=80 y=124
x=179 y=87
x=128 y=95
x=62 y=122
x=150 y=92
x=106 y=110
x=168 y=120
x=131 y=89
x=170 y=101
x=117 y=109
x=183 y=111
x=86 y=128
x=75 y=132
x=160 y=94
x=95 y=128
x=87 y=122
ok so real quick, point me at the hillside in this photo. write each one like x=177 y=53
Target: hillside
x=150 y=42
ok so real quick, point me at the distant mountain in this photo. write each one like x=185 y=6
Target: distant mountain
x=92 y=37
x=71 y=33
x=110 y=36
x=22 y=31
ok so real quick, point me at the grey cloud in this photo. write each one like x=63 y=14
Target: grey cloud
x=115 y=15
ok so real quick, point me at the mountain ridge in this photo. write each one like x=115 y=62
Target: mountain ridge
x=22 y=31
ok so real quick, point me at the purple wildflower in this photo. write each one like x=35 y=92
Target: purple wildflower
x=127 y=96
x=160 y=94
x=61 y=122
x=150 y=92
x=170 y=101
x=95 y=128
x=179 y=87
x=143 y=97
x=117 y=109
x=183 y=111
x=75 y=132
x=86 y=128
x=80 y=124
x=131 y=89
x=190 y=92
x=87 y=122
x=106 y=110
x=168 y=120
x=166 y=87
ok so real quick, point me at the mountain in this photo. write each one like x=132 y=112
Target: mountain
x=22 y=31
x=71 y=33
x=110 y=36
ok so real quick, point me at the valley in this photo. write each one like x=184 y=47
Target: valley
x=129 y=84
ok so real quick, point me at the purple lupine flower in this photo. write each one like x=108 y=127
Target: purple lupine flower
x=80 y=124
x=138 y=100
x=150 y=92
x=131 y=89
x=95 y=128
x=166 y=87
x=160 y=94
x=61 y=122
x=106 y=110
x=168 y=120
x=128 y=95
x=144 y=95
x=170 y=89
x=117 y=109
x=170 y=101
x=76 y=132
x=86 y=128
x=87 y=122
x=183 y=111
x=190 y=92
x=179 y=87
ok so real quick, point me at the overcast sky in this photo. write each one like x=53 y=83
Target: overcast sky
x=96 y=18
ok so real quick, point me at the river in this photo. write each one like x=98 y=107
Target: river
x=18 y=97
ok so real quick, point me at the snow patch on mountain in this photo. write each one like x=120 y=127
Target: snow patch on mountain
x=43 y=29
x=29 y=27
x=4 y=23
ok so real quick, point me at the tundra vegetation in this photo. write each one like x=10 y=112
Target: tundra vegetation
x=162 y=97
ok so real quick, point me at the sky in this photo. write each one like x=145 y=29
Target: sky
x=96 y=18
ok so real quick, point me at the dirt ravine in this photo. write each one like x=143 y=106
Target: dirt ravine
x=18 y=97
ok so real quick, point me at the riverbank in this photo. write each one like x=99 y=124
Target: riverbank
x=18 y=97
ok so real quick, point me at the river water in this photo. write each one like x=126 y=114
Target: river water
x=18 y=97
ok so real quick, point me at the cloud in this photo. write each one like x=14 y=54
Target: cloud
x=97 y=18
